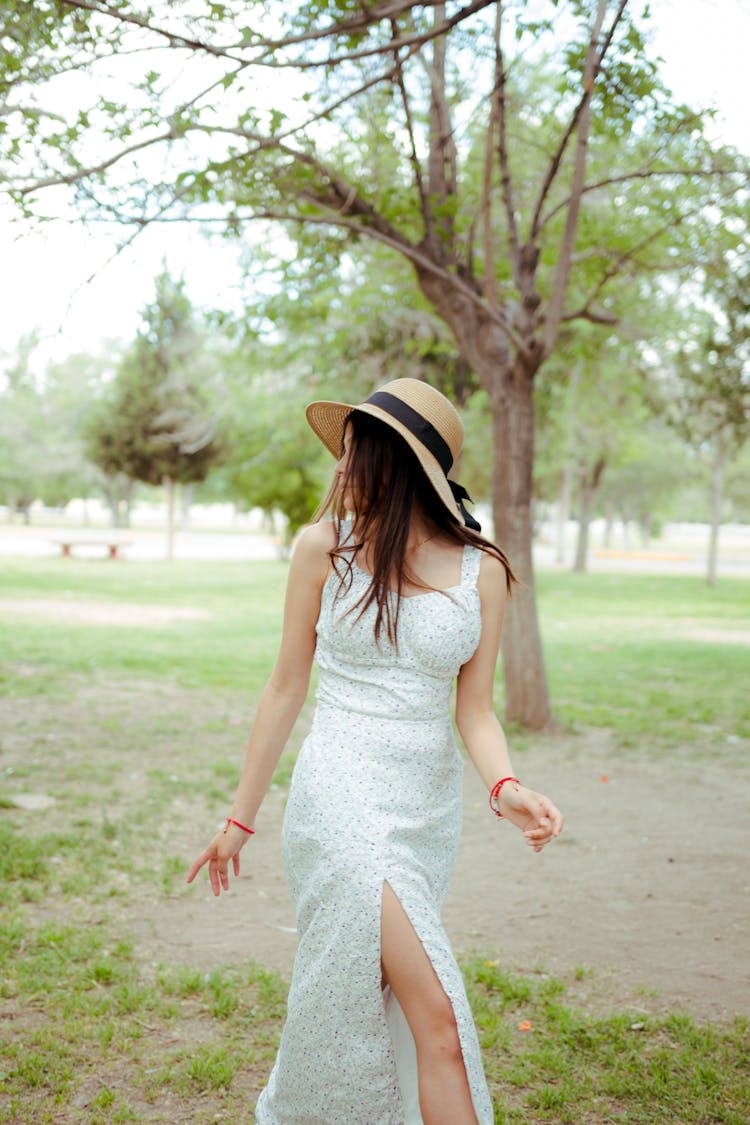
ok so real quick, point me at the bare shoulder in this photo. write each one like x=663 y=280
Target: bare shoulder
x=492 y=579
x=491 y=570
x=312 y=546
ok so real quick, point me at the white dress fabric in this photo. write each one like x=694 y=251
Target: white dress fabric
x=375 y=798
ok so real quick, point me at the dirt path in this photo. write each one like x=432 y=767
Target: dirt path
x=648 y=887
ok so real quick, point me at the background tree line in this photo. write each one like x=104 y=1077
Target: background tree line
x=220 y=411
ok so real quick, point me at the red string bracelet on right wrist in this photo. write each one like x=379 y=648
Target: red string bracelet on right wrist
x=495 y=794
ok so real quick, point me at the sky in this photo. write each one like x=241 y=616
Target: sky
x=44 y=280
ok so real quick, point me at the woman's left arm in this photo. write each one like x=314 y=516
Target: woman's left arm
x=480 y=728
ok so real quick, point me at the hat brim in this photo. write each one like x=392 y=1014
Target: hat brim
x=328 y=420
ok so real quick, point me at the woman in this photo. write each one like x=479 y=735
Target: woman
x=395 y=597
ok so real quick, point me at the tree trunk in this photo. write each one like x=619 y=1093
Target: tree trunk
x=113 y=503
x=186 y=499
x=626 y=541
x=169 y=496
x=563 y=513
x=609 y=525
x=645 y=526
x=586 y=507
x=715 y=504
x=126 y=501
x=589 y=486
x=526 y=693
x=510 y=386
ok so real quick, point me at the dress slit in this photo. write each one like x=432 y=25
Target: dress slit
x=429 y=932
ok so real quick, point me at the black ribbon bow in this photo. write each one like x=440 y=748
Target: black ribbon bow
x=459 y=495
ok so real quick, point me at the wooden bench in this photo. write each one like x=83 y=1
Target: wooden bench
x=113 y=546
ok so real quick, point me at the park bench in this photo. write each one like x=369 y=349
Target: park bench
x=113 y=546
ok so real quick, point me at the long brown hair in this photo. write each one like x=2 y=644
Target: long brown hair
x=386 y=487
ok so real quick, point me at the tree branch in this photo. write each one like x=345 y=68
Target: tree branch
x=502 y=148
x=641 y=174
x=592 y=67
x=407 y=249
x=368 y=17
x=174 y=40
x=210 y=88
x=269 y=46
x=595 y=316
x=95 y=169
x=490 y=277
x=562 y=269
x=386 y=76
x=353 y=56
x=413 y=156
x=263 y=143
x=620 y=260
x=442 y=167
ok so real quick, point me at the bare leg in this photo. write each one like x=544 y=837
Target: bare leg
x=444 y=1095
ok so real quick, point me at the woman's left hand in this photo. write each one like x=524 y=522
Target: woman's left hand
x=537 y=817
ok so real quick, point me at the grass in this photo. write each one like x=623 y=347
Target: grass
x=91 y=1035
x=232 y=643
x=549 y=1061
x=644 y=657
x=130 y=716
x=656 y=658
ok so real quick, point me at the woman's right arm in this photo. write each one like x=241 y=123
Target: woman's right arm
x=280 y=701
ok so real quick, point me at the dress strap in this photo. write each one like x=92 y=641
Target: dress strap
x=346 y=532
x=470 y=563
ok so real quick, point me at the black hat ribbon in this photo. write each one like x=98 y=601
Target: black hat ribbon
x=459 y=495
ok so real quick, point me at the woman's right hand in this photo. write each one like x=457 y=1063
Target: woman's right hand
x=225 y=846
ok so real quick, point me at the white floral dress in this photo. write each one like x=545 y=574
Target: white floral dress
x=375 y=798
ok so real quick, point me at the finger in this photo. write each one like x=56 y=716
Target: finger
x=224 y=876
x=542 y=827
x=236 y=863
x=555 y=816
x=556 y=822
x=197 y=866
x=537 y=809
x=537 y=838
x=213 y=874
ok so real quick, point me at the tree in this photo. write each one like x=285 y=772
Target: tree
x=156 y=426
x=20 y=416
x=69 y=387
x=710 y=403
x=738 y=486
x=516 y=192
x=603 y=413
x=592 y=405
x=645 y=486
x=274 y=465
x=41 y=455
x=348 y=319
x=321 y=329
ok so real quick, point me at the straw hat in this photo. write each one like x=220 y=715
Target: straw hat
x=426 y=420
